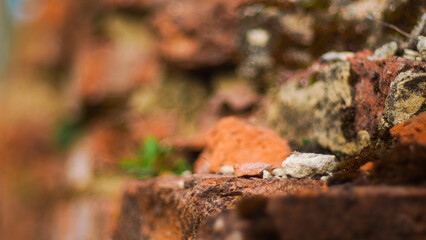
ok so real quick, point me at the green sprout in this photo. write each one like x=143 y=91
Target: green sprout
x=305 y=142
x=67 y=132
x=152 y=158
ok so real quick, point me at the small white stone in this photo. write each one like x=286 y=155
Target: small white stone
x=279 y=172
x=257 y=37
x=266 y=174
x=227 y=170
x=181 y=184
x=336 y=56
x=324 y=178
x=421 y=46
x=79 y=167
x=219 y=225
x=302 y=165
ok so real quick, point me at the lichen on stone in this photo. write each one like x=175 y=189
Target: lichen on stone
x=406 y=99
x=317 y=111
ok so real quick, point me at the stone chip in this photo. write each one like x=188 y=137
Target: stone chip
x=251 y=169
x=303 y=165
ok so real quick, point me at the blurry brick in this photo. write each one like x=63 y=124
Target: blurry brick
x=233 y=94
x=402 y=164
x=367 y=167
x=133 y=4
x=114 y=66
x=340 y=213
x=174 y=207
x=412 y=131
x=109 y=145
x=197 y=34
x=160 y=126
x=84 y=218
x=235 y=142
x=106 y=70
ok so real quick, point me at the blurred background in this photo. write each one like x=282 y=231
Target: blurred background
x=90 y=87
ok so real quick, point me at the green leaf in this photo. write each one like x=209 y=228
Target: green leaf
x=151 y=159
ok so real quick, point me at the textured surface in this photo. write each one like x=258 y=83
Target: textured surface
x=344 y=105
x=174 y=208
x=300 y=165
x=341 y=213
x=407 y=96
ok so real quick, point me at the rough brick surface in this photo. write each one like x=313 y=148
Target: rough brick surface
x=359 y=213
x=196 y=34
x=174 y=207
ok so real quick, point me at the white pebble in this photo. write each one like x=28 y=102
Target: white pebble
x=227 y=170
x=258 y=37
x=279 y=172
x=181 y=184
x=324 y=178
x=266 y=174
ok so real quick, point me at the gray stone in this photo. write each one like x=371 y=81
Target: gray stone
x=406 y=98
x=386 y=51
x=315 y=111
x=302 y=165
